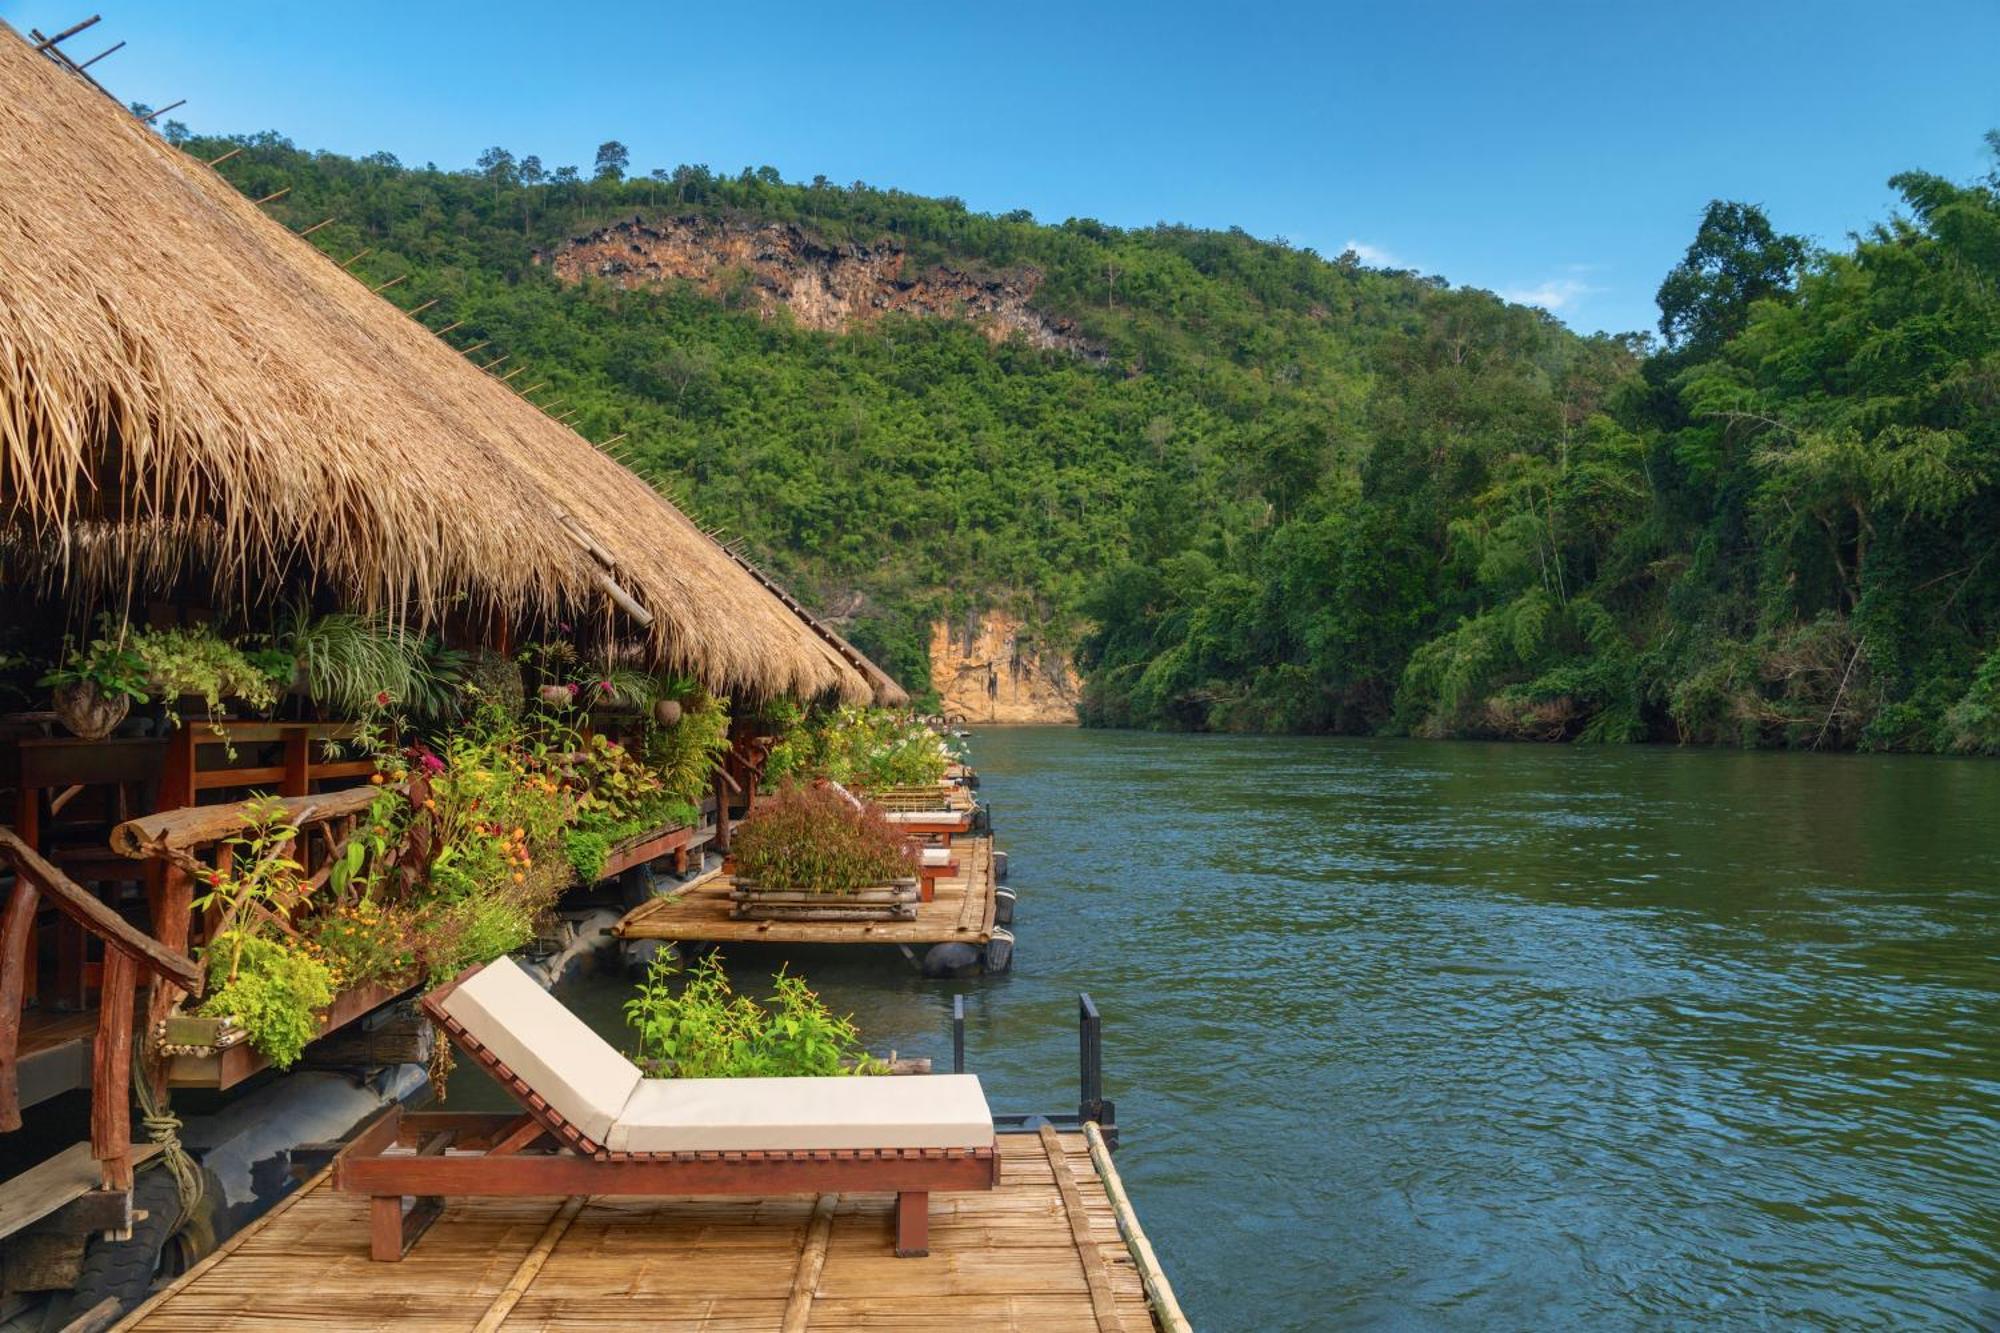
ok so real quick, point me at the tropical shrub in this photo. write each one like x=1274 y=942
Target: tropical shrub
x=703 y=1029
x=816 y=840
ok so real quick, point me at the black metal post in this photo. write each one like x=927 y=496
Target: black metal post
x=958 y=1034
x=1090 y=1056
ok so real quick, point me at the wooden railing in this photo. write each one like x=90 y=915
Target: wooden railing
x=190 y=841
x=128 y=953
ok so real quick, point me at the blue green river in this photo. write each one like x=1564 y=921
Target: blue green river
x=1442 y=1035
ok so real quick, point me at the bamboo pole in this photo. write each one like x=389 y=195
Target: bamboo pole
x=414 y=311
x=171 y=106
x=107 y=51
x=468 y=351
x=218 y=161
x=364 y=250
x=390 y=283
x=276 y=194
x=1158 y=1290
x=512 y=373
x=538 y=384
x=449 y=327
x=531 y=1266
x=323 y=222
x=812 y=1262
x=66 y=33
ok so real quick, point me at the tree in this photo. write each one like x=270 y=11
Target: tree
x=1736 y=258
x=612 y=159
x=531 y=170
x=498 y=166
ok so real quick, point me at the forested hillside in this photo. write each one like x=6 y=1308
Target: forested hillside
x=1258 y=488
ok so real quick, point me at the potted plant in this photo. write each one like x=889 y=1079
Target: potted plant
x=188 y=663
x=94 y=689
x=816 y=854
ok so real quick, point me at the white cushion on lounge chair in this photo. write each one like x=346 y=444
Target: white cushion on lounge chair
x=556 y=1054
x=795 y=1114
x=928 y=816
x=937 y=856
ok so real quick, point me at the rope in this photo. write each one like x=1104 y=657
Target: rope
x=164 y=1128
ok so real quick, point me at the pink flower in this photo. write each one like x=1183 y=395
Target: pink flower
x=381 y=698
x=604 y=687
x=573 y=689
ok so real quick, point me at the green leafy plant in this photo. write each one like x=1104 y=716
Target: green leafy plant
x=109 y=663
x=815 y=840
x=700 y=1028
x=195 y=660
x=873 y=747
x=274 y=992
x=685 y=754
x=263 y=882
x=355 y=664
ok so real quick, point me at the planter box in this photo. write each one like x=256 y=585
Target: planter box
x=895 y=901
x=214 y=1053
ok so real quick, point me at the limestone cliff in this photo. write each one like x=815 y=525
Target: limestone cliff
x=825 y=286
x=990 y=669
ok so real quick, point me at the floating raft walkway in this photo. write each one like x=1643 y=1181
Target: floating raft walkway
x=962 y=911
x=1047 y=1251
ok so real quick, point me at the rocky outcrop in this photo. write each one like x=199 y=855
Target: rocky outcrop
x=825 y=286
x=989 y=668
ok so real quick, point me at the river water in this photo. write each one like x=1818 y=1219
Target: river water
x=1418 y=1035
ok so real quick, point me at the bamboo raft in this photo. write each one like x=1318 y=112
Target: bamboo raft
x=1052 y=1248
x=962 y=911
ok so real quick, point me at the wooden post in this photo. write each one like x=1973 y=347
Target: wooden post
x=721 y=812
x=17 y=937
x=171 y=910
x=111 y=1072
x=298 y=748
x=913 y=1224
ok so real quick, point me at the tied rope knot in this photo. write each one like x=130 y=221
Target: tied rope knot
x=163 y=1127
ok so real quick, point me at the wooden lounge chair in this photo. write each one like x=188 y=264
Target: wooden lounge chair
x=593 y=1125
x=934 y=864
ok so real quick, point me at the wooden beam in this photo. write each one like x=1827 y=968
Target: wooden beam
x=323 y=222
x=218 y=161
x=275 y=194
x=390 y=283
x=158 y=835
x=111 y=1071
x=17 y=934
x=83 y=907
x=1102 y=1302
x=171 y=106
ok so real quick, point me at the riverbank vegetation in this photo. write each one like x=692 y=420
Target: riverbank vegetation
x=1263 y=489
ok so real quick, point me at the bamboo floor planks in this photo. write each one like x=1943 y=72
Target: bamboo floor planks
x=1019 y=1257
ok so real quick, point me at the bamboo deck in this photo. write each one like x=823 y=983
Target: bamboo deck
x=1041 y=1252
x=962 y=911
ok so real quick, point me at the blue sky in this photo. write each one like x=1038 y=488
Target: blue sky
x=1555 y=153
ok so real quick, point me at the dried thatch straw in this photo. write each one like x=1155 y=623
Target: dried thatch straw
x=186 y=386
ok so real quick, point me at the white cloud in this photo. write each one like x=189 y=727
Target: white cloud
x=1374 y=254
x=1553 y=295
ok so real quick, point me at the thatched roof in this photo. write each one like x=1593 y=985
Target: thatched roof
x=186 y=385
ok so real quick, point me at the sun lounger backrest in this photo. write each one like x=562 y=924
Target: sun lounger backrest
x=552 y=1050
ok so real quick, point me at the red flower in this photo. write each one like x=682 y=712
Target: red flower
x=572 y=689
x=381 y=698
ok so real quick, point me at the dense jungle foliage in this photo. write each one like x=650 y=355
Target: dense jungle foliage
x=1297 y=492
